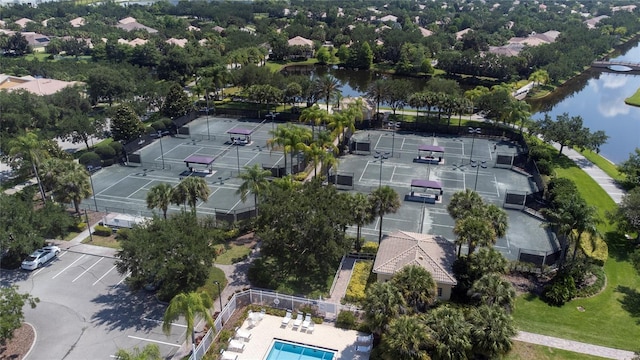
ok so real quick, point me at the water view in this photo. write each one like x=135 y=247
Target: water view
x=597 y=96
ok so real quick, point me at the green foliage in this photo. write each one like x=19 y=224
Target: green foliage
x=635 y=260
x=346 y=320
x=89 y=158
x=545 y=167
x=105 y=152
x=101 y=230
x=11 y=315
x=323 y=55
x=358 y=282
x=176 y=103
x=149 y=352
x=81 y=226
x=370 y=247
x=158 y=125
x=594 y=248
x=598 y=284
x=125 y=124
x=123 y=234
x=117 y=147
x=561 y=290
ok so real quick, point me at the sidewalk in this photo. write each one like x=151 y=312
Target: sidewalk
x=574 y=346
x=76 y=245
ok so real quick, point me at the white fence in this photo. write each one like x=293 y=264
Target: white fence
x=327 y=310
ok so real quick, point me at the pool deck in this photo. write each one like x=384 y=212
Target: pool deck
x=324 y=336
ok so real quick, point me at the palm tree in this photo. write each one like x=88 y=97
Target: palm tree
x=149 y=352
x=463 y=203
x=384 y=200
x=473 y=231
x=73 y=185
x=539 y=77
x=416 y=286
x=29 y=148
x=159 y=197
x=327 y=86
x=491 y=289
x=280 y=139
x=188 y=305
x=316 y=154
x=383 y=303
x=498 y=218
x=361 y=212
x=254 y=180
x=491 y=331
x=377 y=91
x=190 y=190
x=417 y=100
x=451 y=333
x=407 y=338
x=313 y=115
x=298 y=137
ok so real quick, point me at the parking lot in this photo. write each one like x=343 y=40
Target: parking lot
x=87 y=312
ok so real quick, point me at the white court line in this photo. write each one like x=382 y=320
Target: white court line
x=70 y=265
x=236 y=204
x=377 y=142
x=363 y=171
x=402 y=145
x=154 y=341
x=490 y=151
x=495 y=182
x=124 y=278
x=143 y=187
x=105 y=274
x=393 y=173
x=161 y=322
x=37 y=272
x=89 y=268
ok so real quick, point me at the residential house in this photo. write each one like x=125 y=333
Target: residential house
x=389 y=18
x=434 y=253
x=131 y=24
x=425 y=32
x=23 y=22
x=461 y=33
x=77 y=22
x=303 y=42
x=593 y=22
x=33 y=85
x=177 y=42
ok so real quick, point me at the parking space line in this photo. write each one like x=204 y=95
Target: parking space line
x=70 y=265
x=105 y=274
x=84 y=272
x=124 y=278
x=160 y=322
x=154 y=341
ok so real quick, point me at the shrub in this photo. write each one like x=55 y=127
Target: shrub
x=117 y=146
x=358 y=282
x=346 y=320
x=545 y=167
x=123 y=234
x=594 y=248
x=370 y=247
x=89 y=158
x=101 y=230
x=158 y=125
x=105 y=152
x=597 y=285
x=80 y=227
x=300 y=176
x=108 y=162
x=540 y=152
x=561 y=290
x=168 y=124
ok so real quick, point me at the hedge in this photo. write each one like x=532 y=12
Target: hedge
x=358 y=282
x=89 y=158
x=105 y=152
x=369 y=247
x=594 y=248
x=102 y=230
x=118 y=147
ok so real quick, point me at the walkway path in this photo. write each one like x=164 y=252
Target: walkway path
x=342 y=282
x=574 y=346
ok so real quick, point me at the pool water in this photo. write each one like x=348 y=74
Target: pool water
x=281 y=350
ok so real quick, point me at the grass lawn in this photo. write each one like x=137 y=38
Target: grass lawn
x=525 y=351
x=210 y=287
x=612 y=318
x=231 y=252
x=633 y=99
x=106 y=241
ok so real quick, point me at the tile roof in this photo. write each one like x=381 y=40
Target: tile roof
x=33 y=85
x=434 y=253
x=300 y=41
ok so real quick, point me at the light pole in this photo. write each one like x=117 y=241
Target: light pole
x=473 y=131
x=478 y=165
x=220 y=298
x=382 y=156
x=393 y=141
x=161 y=150
x=206 y=96
x=238 y=157
x=88 y=225
x=93 y=191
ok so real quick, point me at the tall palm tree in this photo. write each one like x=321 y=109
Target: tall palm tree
x=498 y=218
x=377 y=91
x=254 y=180
x=361 y=212
x=30 y=149
x=190 y=190
x=473 y=231
x=384 y=200
x=298 y=137
x=383 y=303
x=491 y=331
x=313 y=115
x=408 y=338
x=188 y=305
x=327 y=86
x=540 y=76
x=452 y=333
x=463 y=203
x=416 y=286
x=316 y=154
x=417 y=100
x=280 y=140
x=159 y=197
x=491 y=289
x=73 y=186
x=149 y=352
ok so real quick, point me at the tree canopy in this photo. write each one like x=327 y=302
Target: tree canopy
x=11 y=314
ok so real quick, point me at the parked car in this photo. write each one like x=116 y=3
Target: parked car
x=40 y=257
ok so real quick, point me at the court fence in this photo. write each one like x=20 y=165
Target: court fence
x=327 y=310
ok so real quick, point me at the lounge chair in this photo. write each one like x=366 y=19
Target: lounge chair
x=311 y=327
x=366 y=339
x=243 y=334
x=286 y=318
x=236 y=345
x=263 y=312
x=306 y=322
x=298 y=322
x=226 y=355
x=363 y=349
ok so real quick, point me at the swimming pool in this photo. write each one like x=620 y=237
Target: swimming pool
x=282 y=350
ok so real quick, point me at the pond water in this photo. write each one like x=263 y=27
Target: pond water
x=596 y=96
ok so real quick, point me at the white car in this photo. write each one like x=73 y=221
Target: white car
x=40 y=257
